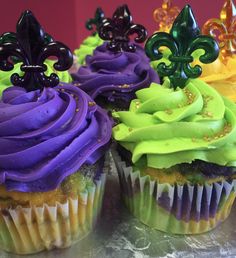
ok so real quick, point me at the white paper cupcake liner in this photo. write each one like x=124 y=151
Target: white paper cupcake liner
x=33 y=229
x=177 y=209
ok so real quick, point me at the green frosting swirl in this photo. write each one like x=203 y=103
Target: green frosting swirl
x=5 y=81
x=164 y=127
x=87 y=47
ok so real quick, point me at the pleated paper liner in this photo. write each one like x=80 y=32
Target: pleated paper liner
x=34 y=229
x=176 y=209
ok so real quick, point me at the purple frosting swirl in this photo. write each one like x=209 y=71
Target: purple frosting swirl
x=115 y=76
x=46 y=136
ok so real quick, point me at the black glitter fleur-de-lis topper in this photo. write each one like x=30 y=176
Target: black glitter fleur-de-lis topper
x=32 y=46
x=94 y=23
x=184 y=38
x=119 y=29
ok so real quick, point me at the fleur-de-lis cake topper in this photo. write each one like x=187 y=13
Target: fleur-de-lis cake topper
x=165 y=15
x=184 y=38
x=32 y=46
x=226 y=28
x=94 y=23
x=118 y=30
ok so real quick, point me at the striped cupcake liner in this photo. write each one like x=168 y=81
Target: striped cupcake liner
x=34 y=229
x=176 y=209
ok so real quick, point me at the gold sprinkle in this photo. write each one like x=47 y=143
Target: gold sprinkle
x=60 y=84
x=91 y=103
x=206 y=138
x=62 y=90
x=77 y=84
x=77 y=110
x=99 y=140
x=76 y=98
x=72 y=95
x=209 y=114
x=169 y=111
x=124 y=86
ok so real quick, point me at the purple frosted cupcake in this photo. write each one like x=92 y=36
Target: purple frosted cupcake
x=52 y=147
x=117 y=68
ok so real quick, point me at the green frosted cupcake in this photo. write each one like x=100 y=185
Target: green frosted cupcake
x=90 y=43
x=87 y=47
x=178 y=157
x=176 y=147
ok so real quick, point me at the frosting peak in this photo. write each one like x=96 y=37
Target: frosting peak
x=46 y=136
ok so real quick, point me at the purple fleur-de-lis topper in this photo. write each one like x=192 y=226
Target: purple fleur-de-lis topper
x=118 y=30
x=32 y=46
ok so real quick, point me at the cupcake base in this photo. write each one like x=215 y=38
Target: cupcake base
x=176 y=209
x=34 y=229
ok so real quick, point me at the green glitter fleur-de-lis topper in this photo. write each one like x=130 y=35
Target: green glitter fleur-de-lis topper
x=94 y=23
x=184 y=38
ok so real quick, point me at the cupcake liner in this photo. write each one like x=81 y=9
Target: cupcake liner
x=177 y=209
x=33 y=229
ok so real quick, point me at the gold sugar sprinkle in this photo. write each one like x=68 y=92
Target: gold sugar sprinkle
x=124 y=86
x=169 y=111
x=77 y=110
x=207 y=138
x=77 y=84
x=91 y=103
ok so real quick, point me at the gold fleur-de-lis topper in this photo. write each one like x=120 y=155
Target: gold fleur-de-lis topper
x=165 y=15
x=224 y=29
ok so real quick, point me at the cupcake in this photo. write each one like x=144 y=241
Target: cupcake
x=90 y=43
x=5 y=81
x=176 y=148
x=117 y=68
x=222 y=73
x=52 y=146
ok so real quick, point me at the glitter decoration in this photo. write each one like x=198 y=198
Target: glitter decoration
x=165 y=15
x=224 y=29
x=119 y=28
x=184 y=38
x=94 y=23
x=32 y=46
